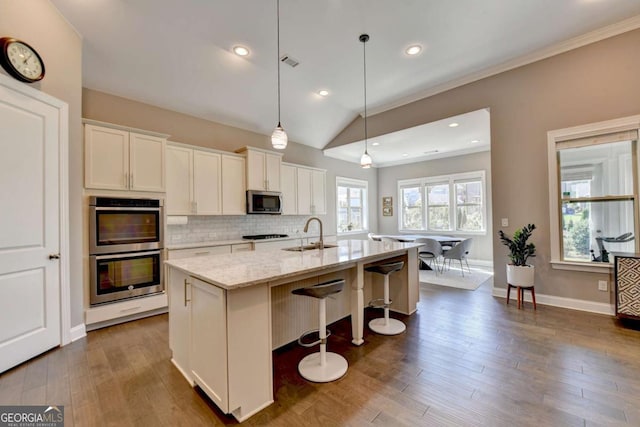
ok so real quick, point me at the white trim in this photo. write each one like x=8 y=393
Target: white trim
x=77 y=332
x=554 y=301
x=125 y=128
x=361 y=184
x=63 y=197
x=594 y=267
x=612 y=30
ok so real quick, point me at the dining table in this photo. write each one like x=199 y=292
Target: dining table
x=443 y=239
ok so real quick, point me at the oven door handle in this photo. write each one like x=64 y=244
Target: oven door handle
x=126 y=255
x=127 y=208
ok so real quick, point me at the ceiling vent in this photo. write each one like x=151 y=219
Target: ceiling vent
x=292 y=62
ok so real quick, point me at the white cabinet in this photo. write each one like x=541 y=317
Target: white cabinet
x=201 y=251
x=234 y=187
x=209 y=341
x=263 y=169
x=288 y=175
x=118 y=159
x=311 y=191
x=204 y=182
x=180 y=320
x=194 y=182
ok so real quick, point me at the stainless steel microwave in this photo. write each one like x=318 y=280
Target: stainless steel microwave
x=264 y=202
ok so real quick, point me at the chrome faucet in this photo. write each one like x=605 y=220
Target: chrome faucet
x=320 y=244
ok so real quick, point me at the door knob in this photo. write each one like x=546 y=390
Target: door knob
x=54 y=256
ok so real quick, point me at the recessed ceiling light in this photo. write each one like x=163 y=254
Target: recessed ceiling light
x=323 y=92
x=405 y=154
x=240 y=50
x=453 y=125
x=413 y=50
x=375 y=144
x=475 y=141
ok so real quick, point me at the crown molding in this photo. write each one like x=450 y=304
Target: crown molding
x=612 y=30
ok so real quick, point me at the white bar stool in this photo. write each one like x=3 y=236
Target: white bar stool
x=322 y=366
x=385 y=325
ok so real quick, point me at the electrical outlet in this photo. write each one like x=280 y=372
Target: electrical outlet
x=504 y=222
x=603 y=285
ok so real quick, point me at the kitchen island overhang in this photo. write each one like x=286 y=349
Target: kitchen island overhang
x=239 y=317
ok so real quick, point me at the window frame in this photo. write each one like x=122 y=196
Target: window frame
x=450 y=180
x=353 y=183
x=554 y=139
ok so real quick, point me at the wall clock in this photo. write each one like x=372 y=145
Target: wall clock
x=20 y=60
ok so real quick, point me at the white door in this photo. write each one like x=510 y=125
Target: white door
x=146 y=162
x=207 y=183
x=179 y=181
x=29 y=227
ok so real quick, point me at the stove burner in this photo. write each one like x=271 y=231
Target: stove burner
x=264 y=236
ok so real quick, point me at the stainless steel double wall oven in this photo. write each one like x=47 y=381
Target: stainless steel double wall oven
x=126 y=243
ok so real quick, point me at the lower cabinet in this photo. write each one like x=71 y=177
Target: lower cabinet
x=179 y=320
x=209 y=341
x=220 y=341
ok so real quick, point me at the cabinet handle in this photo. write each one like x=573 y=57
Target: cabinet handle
x=185 y=292
x=126 y=180
x=131 y=181
x=202 y=253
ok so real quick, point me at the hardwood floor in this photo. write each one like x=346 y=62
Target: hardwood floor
x=466 y=359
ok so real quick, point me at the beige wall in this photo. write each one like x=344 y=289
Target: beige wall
x=482 y=246
x=38 y=23
x=191 y=130
x=593 y=83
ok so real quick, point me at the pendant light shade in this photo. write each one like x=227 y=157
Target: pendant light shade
x=365 y=160
x=279 y=137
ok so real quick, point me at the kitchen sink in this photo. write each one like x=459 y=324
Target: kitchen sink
x=308 y=247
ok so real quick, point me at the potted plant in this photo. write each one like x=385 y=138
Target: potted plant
x=519 y=273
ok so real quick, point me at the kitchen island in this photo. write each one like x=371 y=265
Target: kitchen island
x=228 y=312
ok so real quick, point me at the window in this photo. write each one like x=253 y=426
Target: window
x=352 y=205
x=593 y=189
x=452 y=203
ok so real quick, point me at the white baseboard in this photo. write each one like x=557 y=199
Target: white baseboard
x=77 y=332
x=570 y=303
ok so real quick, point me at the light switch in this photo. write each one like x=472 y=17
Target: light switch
x=505 y=222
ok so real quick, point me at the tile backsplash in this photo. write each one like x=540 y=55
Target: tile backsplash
x=203 y=228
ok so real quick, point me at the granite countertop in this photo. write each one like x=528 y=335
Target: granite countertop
x=192 y=245
x=241 y=269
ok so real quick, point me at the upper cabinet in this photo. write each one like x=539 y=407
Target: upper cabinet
x=303 y=190
x=263 y=169
x=117 y=158
x=204 y=182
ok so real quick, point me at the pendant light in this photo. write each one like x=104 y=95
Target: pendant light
x=365 y=160
x=279 y=136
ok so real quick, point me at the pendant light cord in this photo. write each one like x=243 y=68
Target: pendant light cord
x=278 y=38
x=364 y=51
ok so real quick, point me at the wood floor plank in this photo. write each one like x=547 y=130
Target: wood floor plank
x=466 y=359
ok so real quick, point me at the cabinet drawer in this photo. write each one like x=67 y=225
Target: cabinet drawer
x=194 y=252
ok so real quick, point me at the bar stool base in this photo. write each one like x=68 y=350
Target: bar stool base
x=393 y=327
x=310 y=368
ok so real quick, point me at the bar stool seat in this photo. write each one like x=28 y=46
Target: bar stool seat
x=385 y=325
x=321 y=366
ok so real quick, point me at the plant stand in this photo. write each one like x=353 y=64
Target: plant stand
x=520 y=290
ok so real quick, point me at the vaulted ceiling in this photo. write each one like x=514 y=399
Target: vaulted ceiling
x=178 y=54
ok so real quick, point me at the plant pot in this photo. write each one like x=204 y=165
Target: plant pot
x=520 y=275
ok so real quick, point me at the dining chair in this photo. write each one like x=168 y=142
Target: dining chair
x=459 y=252
x=430 y=252
x=388 y=239
x=373 y=237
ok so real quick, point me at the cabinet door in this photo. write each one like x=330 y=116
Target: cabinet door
x=207 y=183
x=106 y=158
x=318 y=192
x=256 y=174
x=180 y=320
x=209 y=341
x=146 y=162
x=304 y=191
x=289 y=190
x=233 y=186
x=272 y=171
x=179 y=181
